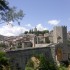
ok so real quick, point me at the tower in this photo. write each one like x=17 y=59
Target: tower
x=35 y=29
x=60 y=34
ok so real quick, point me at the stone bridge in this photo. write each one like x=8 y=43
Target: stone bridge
x=19 y=57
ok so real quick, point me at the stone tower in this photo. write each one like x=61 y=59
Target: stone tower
x=60 y=34
x=35 y=29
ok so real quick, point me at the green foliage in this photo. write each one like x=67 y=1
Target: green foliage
x=45 y=31
x=29 y=68
x=3 y=45
x=62 y=68
x=8 y=14
x=30 y=64
x=2 y=54
x=4 y=5
x=45 y=63
x=25 y=32
x=3 y=60
x=11 y=15
x=63 y=65
x=36 y=32
x=41 y=32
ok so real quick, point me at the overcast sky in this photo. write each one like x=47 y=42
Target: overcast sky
x=43 y=14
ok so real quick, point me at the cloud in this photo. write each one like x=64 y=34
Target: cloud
x=54 y=22
x=28 y=25
x=11 y=30
x=8 y=30
x=40 y=27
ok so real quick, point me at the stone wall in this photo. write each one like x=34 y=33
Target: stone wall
x=19 y=58
x=60 y=31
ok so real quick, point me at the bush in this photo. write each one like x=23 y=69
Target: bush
x=62 y=68
x=3 y=61
x=30 y=64
x=29 y=68
x=45 y=63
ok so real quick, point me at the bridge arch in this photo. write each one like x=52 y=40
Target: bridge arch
x=20 y=57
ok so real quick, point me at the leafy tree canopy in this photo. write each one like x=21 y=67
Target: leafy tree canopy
x=8 y=14
x=36 y=32
x=4 y=5
x=44 y=64
x=3 y=60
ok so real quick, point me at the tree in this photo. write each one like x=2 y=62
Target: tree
x=25 y=32
x=8 y=14
x=42 y=63
x=11 y=15
x=4 y=5
x=45 y=31
x=3 y=61
x=29 y=65
x=30 y=31
x=3 y=45
x=45 y=63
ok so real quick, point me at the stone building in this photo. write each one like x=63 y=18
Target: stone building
x=57 y=50
x=68 y=36
x=60 y=34
x=51 y=36
x=20 y=57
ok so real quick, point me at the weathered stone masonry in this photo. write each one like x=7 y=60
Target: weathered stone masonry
x=19 y=58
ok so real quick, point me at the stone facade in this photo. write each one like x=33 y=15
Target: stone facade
x=56 y=51
x=18 y=58
x=60 y=34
